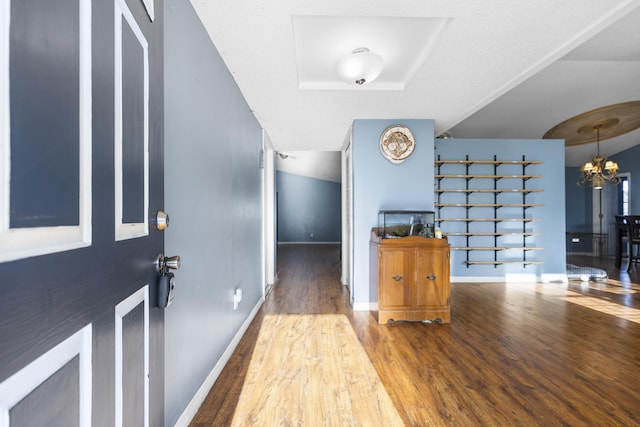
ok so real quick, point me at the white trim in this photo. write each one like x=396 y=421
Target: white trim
x=308 y=243
x=5 y=119
x=193 y=406
x=347 y=215
x=27 y=242
x=22 y=383
x=363 y=306
x=149 y=6
x=627 y=175
x=475 y=279
x=521 y=278
x=122 y=309
x=125 y=231
x=269 y=221
x=508 y=278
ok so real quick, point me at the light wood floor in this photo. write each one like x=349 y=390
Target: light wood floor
x=513 y=355
x=308 y=369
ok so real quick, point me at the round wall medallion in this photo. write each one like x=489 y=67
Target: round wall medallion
x=397 y=143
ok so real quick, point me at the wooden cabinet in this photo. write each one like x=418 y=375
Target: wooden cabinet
x=409 y=279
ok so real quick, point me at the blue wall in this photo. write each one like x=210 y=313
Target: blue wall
x=213 y=193
x=580 y=200
x=629 y=161
x=579 y=217
x=550 y=217
x=309 y=209
x=379 y=184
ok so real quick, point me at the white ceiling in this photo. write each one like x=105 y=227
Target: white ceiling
x=604 y=70
x=323 y=165
x=321 y=41
x=485 y=69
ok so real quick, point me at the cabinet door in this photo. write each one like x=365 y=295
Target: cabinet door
x=432 y=279
x=396 y=278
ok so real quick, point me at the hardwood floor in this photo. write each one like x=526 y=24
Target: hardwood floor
x=514 y=354
x=328 y=376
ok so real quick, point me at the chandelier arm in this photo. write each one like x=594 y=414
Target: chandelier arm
x=600 y=171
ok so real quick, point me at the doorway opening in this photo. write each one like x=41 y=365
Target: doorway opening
x=309 y=201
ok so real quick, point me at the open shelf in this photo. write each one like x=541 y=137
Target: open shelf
x=486 y=219
x=488 y=190
x=494 y=233
x=504 y=262
x=492 y=248
x=496 y=177
x=488 y=205
x=488 y=162
x=483 y=170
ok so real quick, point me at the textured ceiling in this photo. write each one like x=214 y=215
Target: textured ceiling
x=321 y=41
x=493 y=69
x=324 y=165
x=602 y=71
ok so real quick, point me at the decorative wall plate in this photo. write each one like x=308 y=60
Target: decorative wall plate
x=397 y=143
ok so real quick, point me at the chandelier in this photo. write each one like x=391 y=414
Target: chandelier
x=605 y=122
x=599 y=172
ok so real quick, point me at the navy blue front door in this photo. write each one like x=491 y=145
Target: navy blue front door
x=81 y=178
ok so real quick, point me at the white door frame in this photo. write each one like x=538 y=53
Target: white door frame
x=347 y=217
x=268 y=202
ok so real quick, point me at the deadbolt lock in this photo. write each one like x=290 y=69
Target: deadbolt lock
x=162 y=220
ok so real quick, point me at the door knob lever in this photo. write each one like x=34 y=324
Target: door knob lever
x=164 y=264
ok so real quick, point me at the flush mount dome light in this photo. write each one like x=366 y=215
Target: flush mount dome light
x=360 y=67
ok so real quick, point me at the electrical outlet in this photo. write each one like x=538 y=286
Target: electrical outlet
x=237 y=297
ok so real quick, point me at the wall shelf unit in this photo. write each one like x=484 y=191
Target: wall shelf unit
x=475 y=181
x=488 y=205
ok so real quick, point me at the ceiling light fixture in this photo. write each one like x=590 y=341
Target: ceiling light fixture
x=360 y=67
x=599 y=172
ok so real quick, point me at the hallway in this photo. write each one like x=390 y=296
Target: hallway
x=517 y=354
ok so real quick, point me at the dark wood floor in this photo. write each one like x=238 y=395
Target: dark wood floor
x=513 y=355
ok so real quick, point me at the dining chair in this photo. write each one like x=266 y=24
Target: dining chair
x=622 y=238
x=634 y=238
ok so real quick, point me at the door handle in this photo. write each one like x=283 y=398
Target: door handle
x=166 y=263
x=431 y=277
x=397 y=278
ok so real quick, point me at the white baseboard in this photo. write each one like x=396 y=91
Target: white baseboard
x=521 y=278
x=308 y=243
x=361 y=306
x=192 y=408
x=509 y=278
x=476 y=279
x=512 y=278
